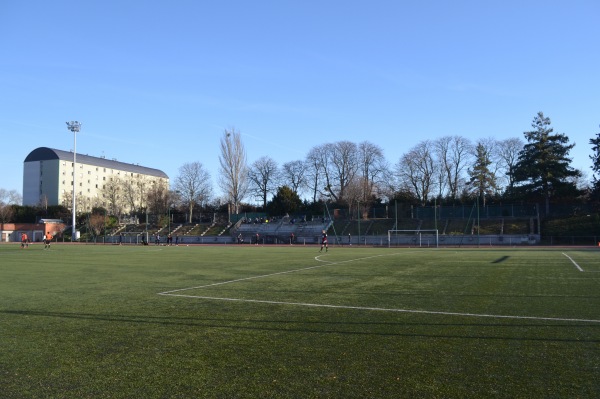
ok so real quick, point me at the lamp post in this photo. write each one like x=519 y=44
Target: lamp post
x=75 y=127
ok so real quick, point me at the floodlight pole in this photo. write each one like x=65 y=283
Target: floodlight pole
x=75 y=127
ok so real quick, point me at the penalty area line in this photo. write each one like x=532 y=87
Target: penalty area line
x=273 y=274
x=375 y=309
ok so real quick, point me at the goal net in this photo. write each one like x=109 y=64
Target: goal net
x=413 y=238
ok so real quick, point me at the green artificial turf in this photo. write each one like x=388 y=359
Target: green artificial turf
x=93 y=321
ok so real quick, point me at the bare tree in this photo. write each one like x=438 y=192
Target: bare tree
x=317 y=162
x=130 y=194
x=294 y=175
x=7 y=200
x=372 y=167
x=158 y=198
x=10 y=197
x=96 y=223
x=453 y=153
x=354 y=195
x=508 y=152
x=67 y=200
x=84 y=203
x=112 y=192
x=416 y=171
x=142 y=191
x=6 y=212
x=344 y=165
x=193 y=186
x=233 y=171
x=263 y=178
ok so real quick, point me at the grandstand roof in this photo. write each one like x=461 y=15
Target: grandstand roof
x=46 y=154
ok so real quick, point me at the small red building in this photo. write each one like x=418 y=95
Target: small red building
x=11 y=232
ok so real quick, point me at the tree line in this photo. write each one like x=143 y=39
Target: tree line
x=356 y=176
x=449 y=169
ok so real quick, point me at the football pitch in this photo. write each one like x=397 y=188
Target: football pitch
x=94 y=321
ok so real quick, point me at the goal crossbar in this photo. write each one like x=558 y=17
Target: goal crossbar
x=421 y=237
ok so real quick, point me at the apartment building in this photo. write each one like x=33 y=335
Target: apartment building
x=48 y=178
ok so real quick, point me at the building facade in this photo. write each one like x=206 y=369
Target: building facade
x=48 y=180
x=11 y=232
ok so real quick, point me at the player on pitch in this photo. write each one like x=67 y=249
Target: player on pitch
x=323 y=241
x=47 y=240
x=24 y=240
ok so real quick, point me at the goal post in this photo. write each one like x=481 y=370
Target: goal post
x=419 y=238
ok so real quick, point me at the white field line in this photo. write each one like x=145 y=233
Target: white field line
x=573 y=262
x=366 y=308
x=317 y=305
x=271 y=274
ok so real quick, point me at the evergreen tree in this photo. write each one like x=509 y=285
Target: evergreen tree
x=543 y=167
x=595 y=157
x=482 y=179
x=285 y=201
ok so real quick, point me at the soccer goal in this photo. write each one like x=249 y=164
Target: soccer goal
x=415 y=238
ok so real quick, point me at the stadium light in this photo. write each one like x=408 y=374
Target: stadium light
x=75 y=127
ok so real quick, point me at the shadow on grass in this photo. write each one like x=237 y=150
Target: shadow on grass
x=272 y=325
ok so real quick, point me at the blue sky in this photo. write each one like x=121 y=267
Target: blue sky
x=157 y=82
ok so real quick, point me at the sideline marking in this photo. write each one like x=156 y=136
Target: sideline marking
x=572 y=261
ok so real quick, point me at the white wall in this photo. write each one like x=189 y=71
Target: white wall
x=31 y=183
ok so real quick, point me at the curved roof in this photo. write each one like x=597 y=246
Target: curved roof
x=47 y=154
